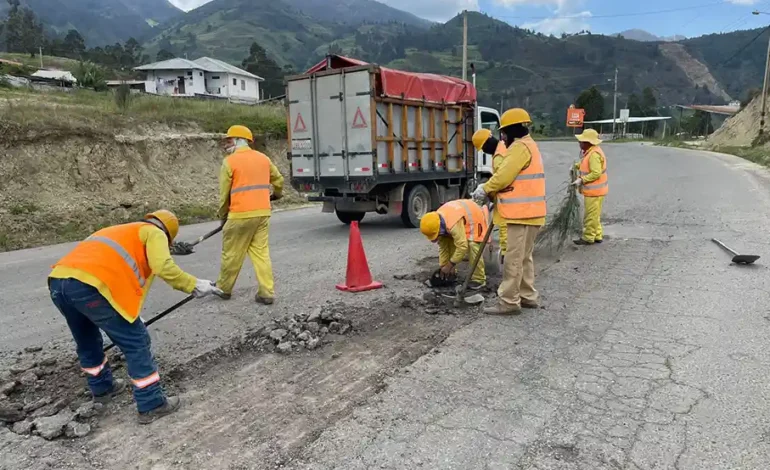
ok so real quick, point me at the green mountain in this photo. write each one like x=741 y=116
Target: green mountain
x=100 y=22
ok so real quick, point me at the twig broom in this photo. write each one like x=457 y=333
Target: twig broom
x=564 y=223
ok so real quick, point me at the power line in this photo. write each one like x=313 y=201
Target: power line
x=617 y=15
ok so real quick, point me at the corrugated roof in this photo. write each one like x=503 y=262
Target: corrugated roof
x=62 y=75
x=173 y=64
x=726 y=110
x=215 y=65
x=631 y=120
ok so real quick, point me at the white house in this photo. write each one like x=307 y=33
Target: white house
x=201 y=77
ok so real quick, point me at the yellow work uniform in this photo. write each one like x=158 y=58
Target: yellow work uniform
x=519 y=268
x=592 y=225
x=159 y=259
x=246 y=233
x=455 y=246
x=498 y=220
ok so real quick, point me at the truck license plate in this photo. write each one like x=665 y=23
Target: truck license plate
x=301 y=144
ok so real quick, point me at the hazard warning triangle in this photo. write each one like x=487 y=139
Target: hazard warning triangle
x=299 y=124
x=359 y=122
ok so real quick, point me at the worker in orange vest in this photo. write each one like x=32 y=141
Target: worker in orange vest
x=453 y=226
x=519 y=190
x=593 y=184
x=245 y=180
x=101 y=285
x=485 y=142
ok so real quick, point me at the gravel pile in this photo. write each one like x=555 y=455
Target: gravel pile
x=305 y=330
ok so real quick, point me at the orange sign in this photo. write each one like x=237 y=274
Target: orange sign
x=575 y=116
x=299 y=124
x=358 y=120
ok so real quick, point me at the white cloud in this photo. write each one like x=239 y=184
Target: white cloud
x=435 y=10
x=571 y=23
x=188 y=5
x=743 y=2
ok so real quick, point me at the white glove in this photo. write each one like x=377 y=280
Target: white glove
x=479 y=194
x=204 y=288
x=578 y=182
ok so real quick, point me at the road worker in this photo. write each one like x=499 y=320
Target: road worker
x=245 y=180
x=593 y=185
x=485 y=142
x=454 y=226
x=101 y=285
x=519 y=189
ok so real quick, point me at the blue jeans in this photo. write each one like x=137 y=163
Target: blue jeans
x=86 y=312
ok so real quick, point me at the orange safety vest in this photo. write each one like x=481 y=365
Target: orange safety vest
x=117 y=257
x=597 y=188
x=250 y=190
x=475 y=217
x=524 y=198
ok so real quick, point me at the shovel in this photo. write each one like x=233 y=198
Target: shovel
x=160 y=315
x=185 y=248
x=737 y=259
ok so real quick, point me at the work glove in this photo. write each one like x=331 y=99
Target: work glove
x=578 y=182
x=204 y=288
x=479 y=195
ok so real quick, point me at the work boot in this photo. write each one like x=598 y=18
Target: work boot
x=502 y=309
x=264 y=300
x=225 y=296
x=529 y=304
x=172 y=404
x=118 y=385
x=598 y=240
x=581 y=242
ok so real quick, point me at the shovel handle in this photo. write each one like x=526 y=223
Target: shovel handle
x=727 y=248
x=159 y=316
x=477 y=258
x=207 y=236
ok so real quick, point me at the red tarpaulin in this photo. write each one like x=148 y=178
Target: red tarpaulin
x=408 y=85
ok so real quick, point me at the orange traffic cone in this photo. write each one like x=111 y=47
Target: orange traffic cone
x=358 y=278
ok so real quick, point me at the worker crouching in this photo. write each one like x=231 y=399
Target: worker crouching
x=101 y=285
x=518 y=187
x=594 y=186
x=459 y=228
x=245 y=180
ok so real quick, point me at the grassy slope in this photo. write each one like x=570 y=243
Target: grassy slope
x=49 y=62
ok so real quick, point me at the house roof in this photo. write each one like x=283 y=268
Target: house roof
x=631 y=120
x=172 y=64
x=61 y=75
x=214 y=65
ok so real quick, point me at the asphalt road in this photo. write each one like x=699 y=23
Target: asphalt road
x=651 y=352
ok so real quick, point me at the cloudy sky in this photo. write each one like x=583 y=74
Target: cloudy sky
x=661 y=17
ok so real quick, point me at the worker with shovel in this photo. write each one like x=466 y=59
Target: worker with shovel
x=245 y=180
x=454 y=226
x=519 y=189
x=593 y=184
x=101 y=285
x=485 y=142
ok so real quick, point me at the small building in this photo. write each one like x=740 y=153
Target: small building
x=136 y=86
x=61 y=78
x=204 y=77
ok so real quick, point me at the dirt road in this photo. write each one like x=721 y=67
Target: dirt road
x=649 y=353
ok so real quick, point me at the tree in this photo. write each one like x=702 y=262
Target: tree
x=163 y=54
x=593 y=102
x=260 y=64
x=74 y=45
x=649 y=108
x=23 y=32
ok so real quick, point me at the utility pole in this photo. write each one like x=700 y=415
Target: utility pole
x=465 y=45
x=41 y=56
x=615 y=103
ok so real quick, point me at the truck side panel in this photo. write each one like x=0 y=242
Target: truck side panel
x=358 y=130
x=330 y=125
x=300 y=126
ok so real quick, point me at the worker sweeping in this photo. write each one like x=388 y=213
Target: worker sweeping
x=593 y=185
x=518 y=186
x=485 y=142
x=459 y=228
x=101 y=285
x=245 y=179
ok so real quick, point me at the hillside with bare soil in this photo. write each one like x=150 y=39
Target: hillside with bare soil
x=695 y=70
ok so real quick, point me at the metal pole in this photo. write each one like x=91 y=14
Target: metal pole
x=465 y=45
x=41 y=59
x=764 y=90
x=615 y=102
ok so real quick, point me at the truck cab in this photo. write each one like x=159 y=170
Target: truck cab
x=486 y=118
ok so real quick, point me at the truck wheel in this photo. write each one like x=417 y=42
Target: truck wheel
x=416 y=204
x=348 y=217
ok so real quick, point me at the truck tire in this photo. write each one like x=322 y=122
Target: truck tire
x=348 y=217
x=416 y=204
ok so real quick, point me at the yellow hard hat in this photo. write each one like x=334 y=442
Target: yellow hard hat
x=430 y=225
x=240 y=132
x=590 y=136
x=481 y=136
x=168 y=219
x=514 y=116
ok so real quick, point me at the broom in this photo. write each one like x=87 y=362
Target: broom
x=565 y=222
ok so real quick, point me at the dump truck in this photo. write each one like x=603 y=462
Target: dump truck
x=364 y=138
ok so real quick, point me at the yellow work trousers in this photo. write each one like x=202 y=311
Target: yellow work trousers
x=446 y=249
x=519 y=267
x=241 y=236
x=592 y=223
x=500 y=224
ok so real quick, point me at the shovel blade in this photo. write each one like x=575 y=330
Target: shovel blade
x=745 y=259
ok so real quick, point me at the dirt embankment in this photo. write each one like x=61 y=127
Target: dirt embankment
x=61 y=188
x=741 y=129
